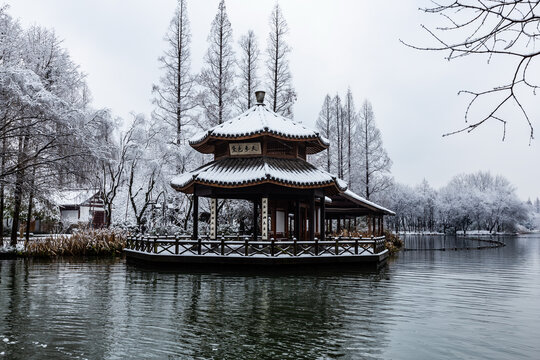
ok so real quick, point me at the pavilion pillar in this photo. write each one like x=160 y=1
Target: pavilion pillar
x=373 y=225
x=255 y=220
x=195 y=234
x=382 y=225
x=213 y=218
x=323 y=219
x=312 y=218
x=264 y=221
x=297 y=220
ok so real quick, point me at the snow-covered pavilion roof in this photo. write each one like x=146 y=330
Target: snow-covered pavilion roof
x=239 y=172
x=359 y=200
x=260 y=121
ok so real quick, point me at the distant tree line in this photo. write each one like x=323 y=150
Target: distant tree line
x=478 y=201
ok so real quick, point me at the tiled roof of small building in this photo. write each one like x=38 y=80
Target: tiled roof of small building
x=258 y=121
x=359 y=200
x=240 y=172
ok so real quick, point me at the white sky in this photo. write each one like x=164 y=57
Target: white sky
x=335 y=44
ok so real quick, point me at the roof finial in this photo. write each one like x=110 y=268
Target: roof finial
x=259 y=95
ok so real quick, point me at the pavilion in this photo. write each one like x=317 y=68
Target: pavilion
x=260 y=156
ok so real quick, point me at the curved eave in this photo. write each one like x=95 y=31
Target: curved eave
x=189 y=187
x=206 y=144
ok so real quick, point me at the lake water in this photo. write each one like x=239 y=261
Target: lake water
x=424 y=305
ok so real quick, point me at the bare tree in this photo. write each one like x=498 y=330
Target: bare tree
x=337 y=111
x=217 y=76
x=374 y=164
x=174 y=94
x=493 y=28
x=350 y=119
x=249 y=56
x=281 y=92
x=325 y=125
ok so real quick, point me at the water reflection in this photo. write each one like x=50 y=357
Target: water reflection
x=440 y=304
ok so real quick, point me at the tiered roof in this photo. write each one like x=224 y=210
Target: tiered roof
x=248 y=170
x=241 y=172
x=260 y=121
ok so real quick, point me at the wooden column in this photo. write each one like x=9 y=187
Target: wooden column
x=297 y=220
x=255 y=220
x=331 y=225
x=312 y=218
x=195 y=234
x=213 y=219
x=264 y=220
x=382 y=225
x=323 y=219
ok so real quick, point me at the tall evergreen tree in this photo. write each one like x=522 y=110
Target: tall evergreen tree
x=375 y=164
x=337 y=111
x=174 y=94
x=279 y=79
x=349 y=120
x=324 y=125
x=217 y=76
x=249 y=81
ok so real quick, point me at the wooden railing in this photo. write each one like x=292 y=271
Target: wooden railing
x=245 y=246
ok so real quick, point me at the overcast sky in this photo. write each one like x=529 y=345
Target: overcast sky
x=335 y=44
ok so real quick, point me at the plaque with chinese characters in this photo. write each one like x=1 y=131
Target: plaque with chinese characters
x=245 y=148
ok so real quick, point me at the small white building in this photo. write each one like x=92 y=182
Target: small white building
x=80 y=207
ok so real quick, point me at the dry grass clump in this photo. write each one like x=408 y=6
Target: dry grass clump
x=87 y=242
x=392 y=242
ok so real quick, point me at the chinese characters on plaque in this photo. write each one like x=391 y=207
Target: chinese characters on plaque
x=245 y=148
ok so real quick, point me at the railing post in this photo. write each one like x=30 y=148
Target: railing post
x=155 y=245
x=272 y=246
x=246 y=250
x=355 y=246
x=176 y=244
x=199 y=246
x=337 y=245
x=317 y=246
x=374 y=245
x=222 y=245
x=294 y=247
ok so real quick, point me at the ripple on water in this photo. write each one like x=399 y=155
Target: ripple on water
x=442 y=304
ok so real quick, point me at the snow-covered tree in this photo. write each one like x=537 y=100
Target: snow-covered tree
x=374 y=171
x=325 y=126
x=174 y=94
x=217 y=76
x=248 y=65
x=350 y=122
x=281 y=94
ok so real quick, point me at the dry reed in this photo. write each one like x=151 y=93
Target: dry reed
x=87 y=242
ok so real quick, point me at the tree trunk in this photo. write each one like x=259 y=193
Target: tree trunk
x=186 y=219
x=2 y=189
x=17 y=194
